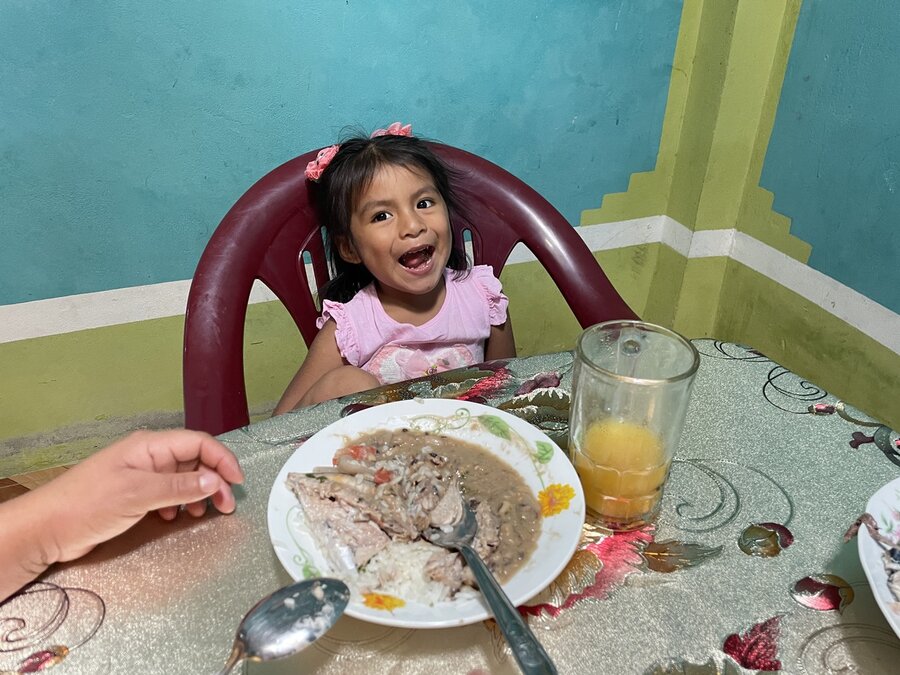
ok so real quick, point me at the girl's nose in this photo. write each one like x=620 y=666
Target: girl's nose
x=411 y=225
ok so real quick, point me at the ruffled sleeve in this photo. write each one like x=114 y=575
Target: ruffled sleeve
x=344 y=332
x=492 y=290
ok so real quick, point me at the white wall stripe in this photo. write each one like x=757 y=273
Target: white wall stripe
x=875 y=320
x=139 y=303
x=712 y=244
x=54 y=316
x=649 y=230
x=91 y=310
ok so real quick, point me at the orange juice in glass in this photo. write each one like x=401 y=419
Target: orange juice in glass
x=630 y=393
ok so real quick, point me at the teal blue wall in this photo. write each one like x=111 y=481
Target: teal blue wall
x=834 y=157
x=128 y=128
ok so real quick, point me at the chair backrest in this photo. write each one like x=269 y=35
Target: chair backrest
x=267 y=232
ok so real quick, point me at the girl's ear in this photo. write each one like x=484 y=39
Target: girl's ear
x=347 y=251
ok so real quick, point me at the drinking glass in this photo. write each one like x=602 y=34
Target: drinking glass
x=631 y=386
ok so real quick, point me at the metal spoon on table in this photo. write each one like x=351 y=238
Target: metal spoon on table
x=529 y=653
x=288 y=620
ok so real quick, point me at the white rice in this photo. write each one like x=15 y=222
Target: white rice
x=399 y=570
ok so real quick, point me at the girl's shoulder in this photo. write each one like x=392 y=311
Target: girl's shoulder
x=481 y=280
x=479 y=275
x=350 y=319
x=339 y=311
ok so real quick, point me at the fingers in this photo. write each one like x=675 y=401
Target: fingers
x=180 y=450
x=168 y=512
x=186 y=446
x=196 y=509
x=223 y=500
x=190 y=490
x=164 y=491
x=178 y=468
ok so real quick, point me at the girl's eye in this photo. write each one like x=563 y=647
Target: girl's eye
x=380 y=217
x=425 y=203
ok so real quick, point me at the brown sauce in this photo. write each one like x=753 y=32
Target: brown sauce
x=485 y=478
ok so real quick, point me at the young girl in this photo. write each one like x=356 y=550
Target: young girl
x=402 y=302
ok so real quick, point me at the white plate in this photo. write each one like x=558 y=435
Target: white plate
x=884 y=505
x=545 y=468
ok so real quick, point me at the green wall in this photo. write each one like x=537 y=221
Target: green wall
x=65 y=396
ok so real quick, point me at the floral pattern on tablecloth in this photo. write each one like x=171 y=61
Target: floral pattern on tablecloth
x=771 y=461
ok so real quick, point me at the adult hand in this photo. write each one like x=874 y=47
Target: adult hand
x=146 y=471
x=110 y=491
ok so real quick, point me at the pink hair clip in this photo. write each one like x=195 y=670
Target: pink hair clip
x=395 y=129
x=315 y=168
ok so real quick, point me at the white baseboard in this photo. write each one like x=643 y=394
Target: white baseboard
x=869 y=317
x=71 y=313
x=54 y=316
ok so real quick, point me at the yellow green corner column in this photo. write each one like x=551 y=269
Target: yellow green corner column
x=727 y=72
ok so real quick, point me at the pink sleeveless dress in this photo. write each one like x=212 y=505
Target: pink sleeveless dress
x=369 y=339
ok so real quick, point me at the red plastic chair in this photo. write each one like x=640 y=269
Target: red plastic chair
x=266 y=233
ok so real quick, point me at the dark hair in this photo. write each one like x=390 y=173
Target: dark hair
x=348 y=175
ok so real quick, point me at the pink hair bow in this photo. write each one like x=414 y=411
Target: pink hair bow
x=315 y=168
x=395 y=129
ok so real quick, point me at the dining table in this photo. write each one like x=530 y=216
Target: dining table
x=746 y=569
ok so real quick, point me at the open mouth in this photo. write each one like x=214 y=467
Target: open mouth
x=417 y=257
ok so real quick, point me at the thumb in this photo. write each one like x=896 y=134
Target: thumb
x=174 y=489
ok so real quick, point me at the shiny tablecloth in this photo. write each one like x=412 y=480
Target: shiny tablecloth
x=760 y=446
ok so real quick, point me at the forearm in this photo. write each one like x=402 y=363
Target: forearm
x=501 y=344
x=323 y=357
x=294 y=392
x=26 y=549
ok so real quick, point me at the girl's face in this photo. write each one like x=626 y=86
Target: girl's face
x=400 y=231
